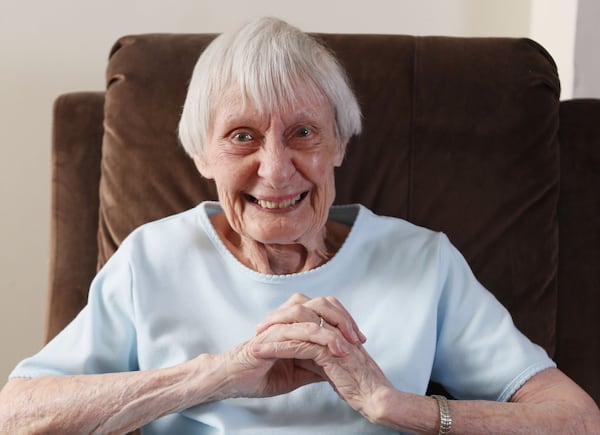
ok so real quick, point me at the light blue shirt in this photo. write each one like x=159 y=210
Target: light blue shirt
x=173 y=291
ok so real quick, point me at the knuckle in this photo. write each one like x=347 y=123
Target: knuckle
x=286 y=346
x=296 y=311
x=312 y=328
x=321 y=300
x=332 y=300
x=298 y=297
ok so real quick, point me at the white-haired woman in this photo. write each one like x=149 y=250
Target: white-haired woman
x=249 y=321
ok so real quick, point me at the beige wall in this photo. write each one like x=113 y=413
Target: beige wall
x=553 y=24
x=47 y=48
x=587 y=61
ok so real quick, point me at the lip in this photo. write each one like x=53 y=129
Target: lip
x=277 y=204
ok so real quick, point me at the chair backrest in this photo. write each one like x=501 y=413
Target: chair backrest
x=460 y=135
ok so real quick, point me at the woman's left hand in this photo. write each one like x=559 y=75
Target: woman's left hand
x=354 y=375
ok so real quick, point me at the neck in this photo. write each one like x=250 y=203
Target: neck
x=281 y=259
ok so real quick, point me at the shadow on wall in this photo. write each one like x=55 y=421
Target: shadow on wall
x=587 y=60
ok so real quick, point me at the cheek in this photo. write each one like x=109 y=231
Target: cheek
x=231 y=174
x=324 y=171
x=230 y=182
x=324 y=193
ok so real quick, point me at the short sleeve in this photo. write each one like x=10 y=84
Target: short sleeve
x=480 y=354
x=102 y=338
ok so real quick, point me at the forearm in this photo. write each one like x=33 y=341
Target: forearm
x=106 y=403
x=420 y=414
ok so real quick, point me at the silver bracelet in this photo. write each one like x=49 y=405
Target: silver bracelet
x=445 y=416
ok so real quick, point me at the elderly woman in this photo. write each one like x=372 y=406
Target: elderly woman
x=251 y=314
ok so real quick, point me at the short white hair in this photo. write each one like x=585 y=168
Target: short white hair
x=267 y=59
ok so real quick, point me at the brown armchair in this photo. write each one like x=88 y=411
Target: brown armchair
x=462 y=135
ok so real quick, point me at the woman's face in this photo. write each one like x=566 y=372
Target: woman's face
x=274 y=173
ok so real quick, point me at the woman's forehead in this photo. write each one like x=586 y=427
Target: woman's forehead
x=235 y=104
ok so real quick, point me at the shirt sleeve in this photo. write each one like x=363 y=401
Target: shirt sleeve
x=480 y=354
x=102 y=338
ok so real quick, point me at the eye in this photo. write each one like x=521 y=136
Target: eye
x=303 y=132
x=242 y=136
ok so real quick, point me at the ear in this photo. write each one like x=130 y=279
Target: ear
x=202 y=166
x=338 y=157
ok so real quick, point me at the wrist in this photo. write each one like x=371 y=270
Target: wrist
x=445 y=424
x=404 y=411
x=207 y=379
x=381 y=406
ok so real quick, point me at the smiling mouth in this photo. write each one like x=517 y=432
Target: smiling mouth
x=271 y=205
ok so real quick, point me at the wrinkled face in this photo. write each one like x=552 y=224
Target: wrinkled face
x=274 y=173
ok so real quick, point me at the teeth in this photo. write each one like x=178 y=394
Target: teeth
x=282 y=204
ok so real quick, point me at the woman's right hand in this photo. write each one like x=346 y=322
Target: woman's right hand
x=248 y=376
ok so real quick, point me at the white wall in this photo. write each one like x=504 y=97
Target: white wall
x=48 y=48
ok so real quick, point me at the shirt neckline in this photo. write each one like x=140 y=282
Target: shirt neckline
x=350 y=214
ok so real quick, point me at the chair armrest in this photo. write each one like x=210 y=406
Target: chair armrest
x=76 y=154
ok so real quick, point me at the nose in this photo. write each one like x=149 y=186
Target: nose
x=276 y=165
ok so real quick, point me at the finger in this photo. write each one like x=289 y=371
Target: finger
x=332 y=310
x=295 y=299
x=329 y=308
x=292 y=313
x=341 y=307
x=289 y=335
x=293 y=349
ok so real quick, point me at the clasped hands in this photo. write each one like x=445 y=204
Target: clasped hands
x=294 y=347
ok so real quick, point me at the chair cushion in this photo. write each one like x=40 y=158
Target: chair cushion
x=460 y=135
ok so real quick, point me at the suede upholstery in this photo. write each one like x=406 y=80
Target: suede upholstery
x=462 y=135
x=76 y=155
